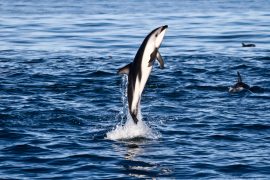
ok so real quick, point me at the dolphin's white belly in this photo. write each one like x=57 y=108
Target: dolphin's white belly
x=140 y=83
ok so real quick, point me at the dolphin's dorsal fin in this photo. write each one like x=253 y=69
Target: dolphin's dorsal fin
x=124 y=70
x=239 y=77
x=160 y=60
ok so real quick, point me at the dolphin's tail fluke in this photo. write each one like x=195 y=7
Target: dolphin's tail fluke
x=134 y=117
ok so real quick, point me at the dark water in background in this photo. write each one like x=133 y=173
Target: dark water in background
x=60 y=94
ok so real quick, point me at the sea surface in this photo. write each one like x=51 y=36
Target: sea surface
x=63 y=108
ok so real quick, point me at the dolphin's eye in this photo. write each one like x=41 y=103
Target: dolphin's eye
x=156 y=35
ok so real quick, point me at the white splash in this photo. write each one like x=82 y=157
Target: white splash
x=130 y=130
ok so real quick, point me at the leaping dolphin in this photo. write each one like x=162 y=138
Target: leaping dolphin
x=139 y=70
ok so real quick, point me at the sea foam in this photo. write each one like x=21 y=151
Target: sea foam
x=130 y=130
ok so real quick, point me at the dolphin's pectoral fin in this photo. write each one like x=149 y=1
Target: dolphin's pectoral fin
x=124 y=70
x=160 y=60
x=156 y=55
x=151 y=61
x=153 y=57
x=239 y=77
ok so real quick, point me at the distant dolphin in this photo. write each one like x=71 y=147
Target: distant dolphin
x=248 y=45
x=139 y=70
x=239 y=86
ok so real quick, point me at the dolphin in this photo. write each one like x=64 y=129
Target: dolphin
x=139 y=70
x=239 y=86
x=248 y=45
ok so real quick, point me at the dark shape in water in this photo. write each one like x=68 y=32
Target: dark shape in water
x=248 y=45
x=239 y=86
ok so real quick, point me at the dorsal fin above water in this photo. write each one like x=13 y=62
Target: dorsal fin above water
x=124 y=70
x=239 y=77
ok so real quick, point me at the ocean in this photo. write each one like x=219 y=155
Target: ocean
x=63 y=107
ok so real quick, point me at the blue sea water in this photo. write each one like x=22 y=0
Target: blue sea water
x=63 y=107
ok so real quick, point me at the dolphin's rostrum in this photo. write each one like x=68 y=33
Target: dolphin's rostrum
x=139 y=70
